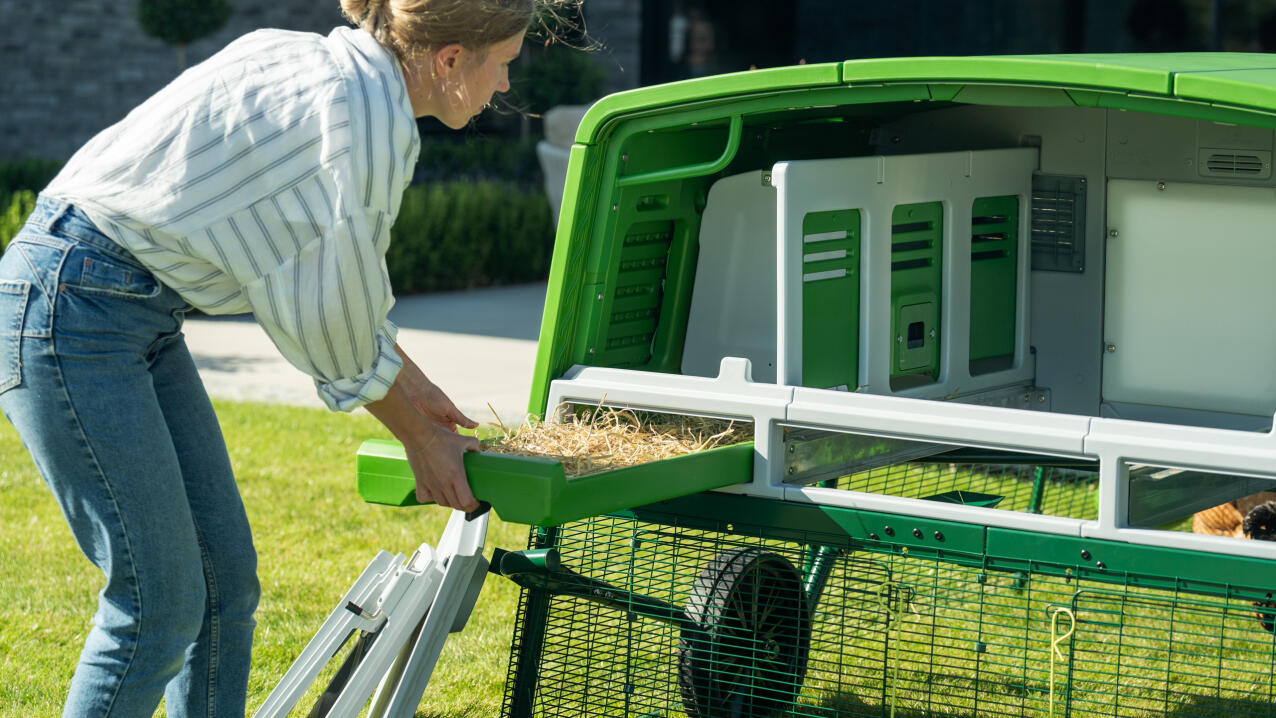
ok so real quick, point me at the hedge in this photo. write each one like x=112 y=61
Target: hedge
x=459 y=235
x=453 y=235
x=17 y=205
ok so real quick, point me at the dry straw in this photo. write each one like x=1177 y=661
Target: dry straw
x=603 y=438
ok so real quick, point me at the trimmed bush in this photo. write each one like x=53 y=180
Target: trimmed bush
x=449 y=235
x=473 y=158
x=26 y=174
x=17 y=207
x=459 y=235
x=556 y=75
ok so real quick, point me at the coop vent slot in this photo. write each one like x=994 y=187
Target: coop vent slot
x=635 y=302
x=1247 y=164
x=1058 y=223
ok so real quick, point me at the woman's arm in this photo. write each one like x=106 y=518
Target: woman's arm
x=424 y=420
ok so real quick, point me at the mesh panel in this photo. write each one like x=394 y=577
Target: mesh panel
x=1052 y=491
x=889 y=633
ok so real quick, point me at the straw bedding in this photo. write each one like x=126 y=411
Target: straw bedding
x=601 y=438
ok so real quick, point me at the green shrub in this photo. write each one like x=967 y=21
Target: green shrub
x=26 y=174
x=556 y=75
x=447 y=158
x=17 y=206
x=458 y=235
x=181 y=22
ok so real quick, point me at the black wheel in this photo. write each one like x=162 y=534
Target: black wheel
x=743 y=652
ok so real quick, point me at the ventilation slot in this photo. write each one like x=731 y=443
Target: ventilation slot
x=635 y=302
x=1241 y=164
x=1234 y=164
x=1058 y=223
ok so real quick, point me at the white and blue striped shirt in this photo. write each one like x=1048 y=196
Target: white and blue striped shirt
x=265 y=179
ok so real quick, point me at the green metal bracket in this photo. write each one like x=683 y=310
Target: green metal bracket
x=537 y=492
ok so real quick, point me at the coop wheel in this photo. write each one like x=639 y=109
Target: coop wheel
x=743 y=652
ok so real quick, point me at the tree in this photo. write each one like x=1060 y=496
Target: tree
x=181 y=22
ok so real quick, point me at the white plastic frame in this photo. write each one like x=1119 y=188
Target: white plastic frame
x=1115 y=443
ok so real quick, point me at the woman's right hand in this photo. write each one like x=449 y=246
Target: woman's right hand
x=424 y=420
x=437 y=460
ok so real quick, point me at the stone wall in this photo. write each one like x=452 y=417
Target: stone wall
x=74 y=67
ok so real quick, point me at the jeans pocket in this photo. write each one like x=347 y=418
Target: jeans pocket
x=13 y=310
x=95 y=273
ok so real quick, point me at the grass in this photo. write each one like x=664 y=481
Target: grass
x=314 y=535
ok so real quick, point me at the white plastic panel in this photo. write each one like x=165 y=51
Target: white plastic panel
x=1191 y=287
x=733 y=299
x=875 y=186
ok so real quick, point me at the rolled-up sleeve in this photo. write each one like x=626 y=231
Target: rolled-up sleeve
x=326 y=309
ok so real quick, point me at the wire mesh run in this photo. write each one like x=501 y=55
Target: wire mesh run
x=717 y=625
x=1048 y=490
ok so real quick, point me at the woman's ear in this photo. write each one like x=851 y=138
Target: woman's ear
x=447 y=59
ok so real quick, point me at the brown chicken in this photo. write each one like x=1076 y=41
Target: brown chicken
x=1248 y=517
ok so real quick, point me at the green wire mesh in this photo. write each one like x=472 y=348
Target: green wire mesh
x=890 y=634
x=1053 y=491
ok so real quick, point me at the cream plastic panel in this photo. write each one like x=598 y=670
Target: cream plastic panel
x=1190 y=298
x=733 y=299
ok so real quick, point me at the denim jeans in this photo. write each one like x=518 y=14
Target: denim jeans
x=95 y=375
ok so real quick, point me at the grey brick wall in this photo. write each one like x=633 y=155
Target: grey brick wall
x=74 y=67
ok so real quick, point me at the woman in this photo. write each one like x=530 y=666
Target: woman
x=265 y=180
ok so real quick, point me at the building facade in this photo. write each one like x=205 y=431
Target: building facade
x=76 y=66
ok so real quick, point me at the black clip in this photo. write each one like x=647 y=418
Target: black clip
x=483 y=508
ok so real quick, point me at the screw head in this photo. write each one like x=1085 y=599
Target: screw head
x=917 y=533
x=1101 y=564
x=1113 y=233
x=939 y=535
x=873 y=536
x=1085 y=554
x=1160 y=186
x=888 y=531
x=1110 y=348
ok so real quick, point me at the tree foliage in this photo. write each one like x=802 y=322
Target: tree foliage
x=181 y=22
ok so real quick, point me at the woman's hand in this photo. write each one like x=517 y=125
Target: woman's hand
x=437 y=461
x=424 y=420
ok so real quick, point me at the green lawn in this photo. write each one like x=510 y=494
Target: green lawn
x=314 y=535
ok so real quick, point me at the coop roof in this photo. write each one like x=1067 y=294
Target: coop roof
x=1229 y=81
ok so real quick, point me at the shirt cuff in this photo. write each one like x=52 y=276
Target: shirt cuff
x=348 y=394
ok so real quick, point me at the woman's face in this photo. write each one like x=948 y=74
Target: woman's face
x=473 y=78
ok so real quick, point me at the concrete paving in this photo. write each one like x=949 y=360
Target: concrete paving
x=478 y=345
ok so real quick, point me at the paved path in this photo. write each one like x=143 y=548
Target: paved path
x=478 y=345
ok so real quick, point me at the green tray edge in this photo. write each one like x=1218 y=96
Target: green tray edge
x=536 y=491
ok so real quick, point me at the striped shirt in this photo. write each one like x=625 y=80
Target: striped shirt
x=265 y=180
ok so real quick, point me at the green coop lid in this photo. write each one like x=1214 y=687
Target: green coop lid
x=1235 y=79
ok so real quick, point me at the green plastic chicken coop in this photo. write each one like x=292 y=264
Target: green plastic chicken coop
x=1000 y=325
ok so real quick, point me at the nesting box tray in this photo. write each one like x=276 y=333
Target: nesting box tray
x=537 y=492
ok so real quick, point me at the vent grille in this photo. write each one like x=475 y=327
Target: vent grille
x=1235 y=164
x=1240 y=164
x=1058 y=223
x=635 y=301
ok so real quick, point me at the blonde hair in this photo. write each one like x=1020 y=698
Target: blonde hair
x=411 y=27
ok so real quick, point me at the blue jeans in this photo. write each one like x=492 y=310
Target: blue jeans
x=95 y=375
